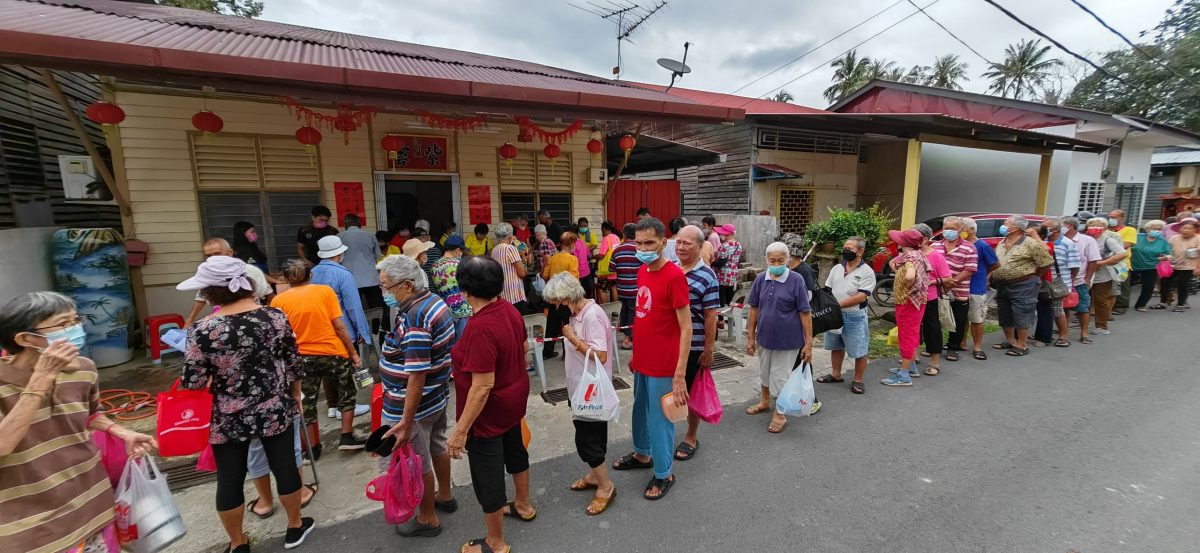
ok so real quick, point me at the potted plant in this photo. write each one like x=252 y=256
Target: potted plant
x=871 y=224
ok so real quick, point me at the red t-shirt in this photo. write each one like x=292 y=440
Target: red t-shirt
x=522 y=234
x=494 y=341
x=656 y=327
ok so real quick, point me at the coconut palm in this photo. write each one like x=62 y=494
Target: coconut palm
x=783 y=96
x=946 y=72
x=1024 y=69
x=849 y=74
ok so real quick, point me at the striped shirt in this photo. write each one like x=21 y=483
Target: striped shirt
x=1065 y=259
x=54 y=491
x=625 y=264
x=420 y=341
x=961 y=258
x=514 y=285
x=703 y=293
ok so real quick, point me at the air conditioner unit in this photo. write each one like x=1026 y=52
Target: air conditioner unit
x=598 y=175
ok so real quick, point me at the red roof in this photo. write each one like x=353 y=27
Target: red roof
x=99 y=35
x=753 y=106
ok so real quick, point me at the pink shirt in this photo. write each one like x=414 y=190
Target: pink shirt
x=937 y=269
x=581 y=253
x=1089 y=252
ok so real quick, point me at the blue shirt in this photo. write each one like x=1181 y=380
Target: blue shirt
x=987 y=258
x=342 y=281
x=420 y=342
x=703 y=293
x=1065 y=259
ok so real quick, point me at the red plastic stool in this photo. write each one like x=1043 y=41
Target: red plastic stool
x=154 y=327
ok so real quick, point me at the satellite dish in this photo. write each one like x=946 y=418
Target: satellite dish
x=677 y=68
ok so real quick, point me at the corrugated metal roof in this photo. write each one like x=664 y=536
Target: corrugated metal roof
x=753 y=106
x=1178 y=156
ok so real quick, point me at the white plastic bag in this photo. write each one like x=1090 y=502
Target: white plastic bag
x=595 y=398
x=539 y=284
x=946 y=314
x=797 y=396
x=147 y=518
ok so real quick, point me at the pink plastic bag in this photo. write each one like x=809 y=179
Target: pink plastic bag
x=401 y=488
x=703 y=400
x=112 y=454
x=1165 y=270
x=206 y=462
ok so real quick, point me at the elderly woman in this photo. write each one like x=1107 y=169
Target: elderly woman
x=729 y=258
x=588 y=333
x=325 y=349
x=445 y=282
x=939 y=279
x=509 y=257
x=564 y=261
x=543 y=247
x=1106 y=284
x=1185 y=258
x=780 y=323
x=55 y=493
x=491 y=390
x=1017 y=280
x=911 y=291
x=1150 y=249
x=246 y=355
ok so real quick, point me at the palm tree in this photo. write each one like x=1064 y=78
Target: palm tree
x=783 y=96
x=1024 y=69
x=850 y=73
x=946 y=72
x=916 y=74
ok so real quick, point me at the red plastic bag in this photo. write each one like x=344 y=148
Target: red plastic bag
x=112 y=454
x=401 y=487
x=703 y=400
x=206 y=462
x=1072 y=300
x=183 y=420
x=1165 y=270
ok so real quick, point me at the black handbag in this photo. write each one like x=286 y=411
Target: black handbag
x=826 y=311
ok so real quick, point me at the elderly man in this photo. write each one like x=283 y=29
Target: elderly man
x=779 y=308
x=963 y=260
x=553 y=230
x=1066 y=266
x=1116 y=223
x=1022 y=261
x=852 y=282
x=662 y=338
x=331 y=273
x=978 y=304
x=416 y=358
x=509 y=257
x=362 y=251
x=1089 y=254
x=705 y=298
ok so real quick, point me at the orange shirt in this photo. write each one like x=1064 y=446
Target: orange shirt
x=311 y=310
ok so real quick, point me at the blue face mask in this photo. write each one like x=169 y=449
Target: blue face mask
x=74 y=335
x=776 y=270
x=951 y=235
x=1156 y=234
x=390 y=299
x=1112 y=222
x=1003 y=230
x=583 y=229
x=647 y=257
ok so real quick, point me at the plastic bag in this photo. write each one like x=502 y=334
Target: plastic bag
x=1165 y=270
x=539 y=284
x=206 y=462
x=595 y=398
x=112 y=455
x=797 y=396
x=1072 y=300
x=401 y=487
x=893 y=337
x=146 y=515
x=703 y=400
x=946 y=314
x=183 y=419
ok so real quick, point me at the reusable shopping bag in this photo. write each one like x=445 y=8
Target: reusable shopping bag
x=401 y=487
x=797 y=396
x=595 y=398
x=147 y=518
x=183 y=419
x=826 y=311
x=1165 y=270
x=703 y=400
x=945 y=313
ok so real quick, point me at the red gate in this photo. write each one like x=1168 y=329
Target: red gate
x=660 y=196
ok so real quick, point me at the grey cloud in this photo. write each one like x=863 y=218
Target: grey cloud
x=767 y=58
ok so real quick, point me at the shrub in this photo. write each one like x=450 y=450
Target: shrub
x=871 y=223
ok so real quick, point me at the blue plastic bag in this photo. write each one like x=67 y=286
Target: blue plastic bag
x=797 y=396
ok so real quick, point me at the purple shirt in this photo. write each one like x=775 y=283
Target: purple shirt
x=779 y=304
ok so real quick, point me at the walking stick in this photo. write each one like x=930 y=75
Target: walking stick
x=308 y=447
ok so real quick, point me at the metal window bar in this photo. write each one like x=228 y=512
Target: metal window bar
x=807 y=141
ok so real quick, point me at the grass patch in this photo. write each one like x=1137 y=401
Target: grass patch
x=879 y=348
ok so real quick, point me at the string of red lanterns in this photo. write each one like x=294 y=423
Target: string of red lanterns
x=346 y=121
x=467 y=124
x=527 y=127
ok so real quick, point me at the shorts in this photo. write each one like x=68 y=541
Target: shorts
x=605 y=283
x=774 y=367
x=429 y=438
x=977 y=310
x=693 y=367
x=490 y=458
x=1085 y=299
x=1057 y=306
x=317 y=367
x=256 y=461
x=855 y=337
x=591 y=441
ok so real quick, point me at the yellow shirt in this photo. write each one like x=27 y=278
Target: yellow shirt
x=561 y=262
x=1129 y=237
x=477 y=246
x=391 y=250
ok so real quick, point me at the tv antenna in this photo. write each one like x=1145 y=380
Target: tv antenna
x=677 y=68
x=626 y=16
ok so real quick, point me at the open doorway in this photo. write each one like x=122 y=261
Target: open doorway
x=403 y=199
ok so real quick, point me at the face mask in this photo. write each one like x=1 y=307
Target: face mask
x=1112 y=222
x=776 y=270
x=252 y=237
x=951 y=235
x=320 y=224
x=1003 y=230
x=583 y=229
x=849 y=255
x=1156 y=234
x=390 y=299
x=74 y=335
x=647 y=257
x=1094 y=231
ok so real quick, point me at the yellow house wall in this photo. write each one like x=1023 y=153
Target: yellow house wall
x=164 y=203
x=833 y=178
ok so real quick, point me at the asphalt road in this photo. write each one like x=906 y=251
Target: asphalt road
x=1090 y=449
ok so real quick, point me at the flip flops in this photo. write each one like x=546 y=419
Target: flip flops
x=511 y=511
x=1017 y=352
x=828 y=379
x=484 y=547
x=250 y=509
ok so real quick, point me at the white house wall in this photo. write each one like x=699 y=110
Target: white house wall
x=969 y=179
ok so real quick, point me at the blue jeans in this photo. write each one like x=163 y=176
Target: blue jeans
x=256 y=460
x=653 y=434
x=855 y=336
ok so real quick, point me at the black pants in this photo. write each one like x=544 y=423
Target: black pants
x=959 y=334
x=490 y=458
x=931 y=328
x=628 y=310
x=589 y=284
x=1149 y=279
x=372 y=298
x=1044 y=331
x=230 y=458
x=591 y=441
x=1179 y=281
x=726 y=294
x=558 y=317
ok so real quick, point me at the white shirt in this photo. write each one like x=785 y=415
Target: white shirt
x=669 y=252
x=861 y=279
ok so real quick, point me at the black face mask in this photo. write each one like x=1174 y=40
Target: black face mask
x=849 y=255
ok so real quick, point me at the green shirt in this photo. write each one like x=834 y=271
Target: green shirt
x=1146 y=252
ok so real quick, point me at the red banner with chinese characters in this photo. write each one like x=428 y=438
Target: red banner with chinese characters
x=420 y=153
x=479 y=201
x=348 y=197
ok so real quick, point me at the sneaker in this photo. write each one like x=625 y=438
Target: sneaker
x=360 y=410
x=815 y=407
x=295 y=536
x=913 y=372
x=896 y=381
x=1101 y=332
x=316 y=454
x=350 y=442
x=550 y=354
x=335 y=414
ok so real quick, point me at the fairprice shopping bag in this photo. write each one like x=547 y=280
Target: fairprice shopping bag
x=595 y=398
x=797 y=396
x=703 y=400
x=183 y=419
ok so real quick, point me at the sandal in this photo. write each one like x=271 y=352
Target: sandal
x=756 y=409
x=1003 y=345
x=980 y=355
x=857 y=388
x=1178 y=310
x=446 y=506
x=1085 y=340
x=924 y=354
x=1017 y=352
x=600 y=504
x=312 y=487
x=775 y=427
x=828 y=379
x=1159 y=306
x=952 y=355
x=250 y=509
x=933 y=371
x=630 y=462
x=582 y=485
x=685 y=451
x=483 y=546
x=663 y=485
x=1062 y=343
x=512 y=511
x=1140 y=309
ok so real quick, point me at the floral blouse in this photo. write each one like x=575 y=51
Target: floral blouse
x=253 y=360
x=445 y=282
x=731 y=252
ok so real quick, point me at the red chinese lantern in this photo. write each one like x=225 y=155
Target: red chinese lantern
x=105 y=113
x=207 y=122
x=509 y=153
x=309 y=137
x=391 y=144
x=595 y=146
x=627 y=143
x=345 y=123
x=552 y=151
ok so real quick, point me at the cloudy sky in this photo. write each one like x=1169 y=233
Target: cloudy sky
x=734 y=43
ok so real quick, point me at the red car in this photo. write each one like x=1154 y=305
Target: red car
x=988 y=224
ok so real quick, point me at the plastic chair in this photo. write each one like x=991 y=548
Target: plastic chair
x=155 y=325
